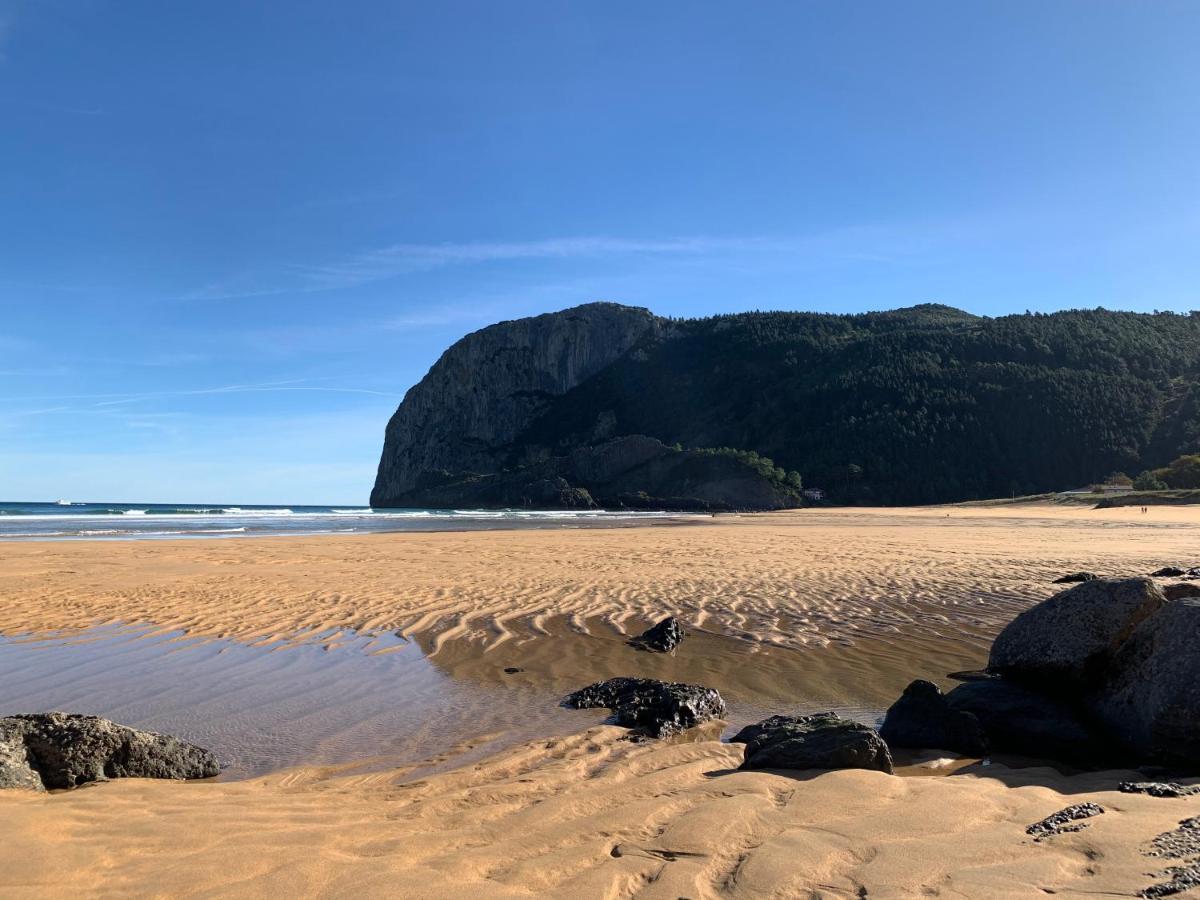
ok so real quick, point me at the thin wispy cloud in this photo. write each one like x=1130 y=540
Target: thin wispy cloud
x=117 y=399
x=855 y=244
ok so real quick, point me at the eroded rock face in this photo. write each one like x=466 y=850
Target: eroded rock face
x=487 y=388
x=1065 y=643
x=656 y=708
x=661 y=638
x=62 y=750
x=1151 y=697
x=823 y=741
x=923 y=719
x=15 y=768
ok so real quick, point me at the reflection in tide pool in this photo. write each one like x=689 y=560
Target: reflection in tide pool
x=377 y=700
x=266 y=708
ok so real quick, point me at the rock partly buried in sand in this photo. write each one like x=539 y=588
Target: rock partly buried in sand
x=661 y=638
x=1065 y=643
x=1076 y=577
x=1019 y=721
x=1151 y=697
x=923 y=719
x=657 y=708
x=1182 y=844
x=1181 y=591
x=823 y=741
x=1169 y=572
x=1158 y=788
x=1064 y=821
x=62 y=750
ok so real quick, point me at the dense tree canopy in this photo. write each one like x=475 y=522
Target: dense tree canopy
x=917 y=405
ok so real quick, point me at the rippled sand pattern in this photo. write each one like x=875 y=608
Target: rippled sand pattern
x=585 y=816
x=792 y=580
x=871 y=598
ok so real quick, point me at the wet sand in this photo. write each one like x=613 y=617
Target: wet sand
x=789 y=612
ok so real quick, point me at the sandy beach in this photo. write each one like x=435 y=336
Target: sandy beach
x=792 y=610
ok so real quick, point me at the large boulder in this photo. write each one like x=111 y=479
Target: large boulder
x=750 y=733
x=656 y=708
x=1064 y=644
x=923 y=719
x=661 y=638
x=1151 y=697
x=1020 y=721
x=823 y=741
x=64 y=750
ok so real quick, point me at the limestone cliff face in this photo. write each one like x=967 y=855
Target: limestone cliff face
x=487 y=388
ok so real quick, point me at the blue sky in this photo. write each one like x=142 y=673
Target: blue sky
x=232 y=234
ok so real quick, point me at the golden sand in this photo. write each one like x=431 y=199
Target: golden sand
x=591 y=815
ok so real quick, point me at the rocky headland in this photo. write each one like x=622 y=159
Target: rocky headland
x=611 y=406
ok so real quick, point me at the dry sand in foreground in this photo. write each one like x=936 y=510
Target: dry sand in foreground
x=592 y=815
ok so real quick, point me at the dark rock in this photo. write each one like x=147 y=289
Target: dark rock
x=1064 y=644
x=922 y=718
x=657 y=708
x=512 y=670
x=661 y=638
x=1168 y=572
x=66 y=750
x=1182 y=843
x=1019 y=721
x=1183 y=878
x=1158 y=788
x=823 y=741
x=773 y=723
x=1151 y=697
x=1181 y=591
x=1065 y=820
x=1076 y=576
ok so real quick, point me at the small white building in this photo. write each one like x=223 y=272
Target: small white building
x=814 y=494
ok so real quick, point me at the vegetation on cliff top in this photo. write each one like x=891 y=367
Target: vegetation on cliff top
x=927 y=404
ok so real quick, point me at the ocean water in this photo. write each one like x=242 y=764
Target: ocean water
x=66 y=520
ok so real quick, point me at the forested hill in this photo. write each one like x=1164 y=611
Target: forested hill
x=918 y=405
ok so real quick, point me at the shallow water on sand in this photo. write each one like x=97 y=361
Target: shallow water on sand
x=378 y=700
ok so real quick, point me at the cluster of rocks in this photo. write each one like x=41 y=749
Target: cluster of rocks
x=1106 y=672
x=1177 y=572
x=61 y=750
x=1181 y=844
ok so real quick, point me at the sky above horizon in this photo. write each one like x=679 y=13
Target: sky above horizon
x=235 y=233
